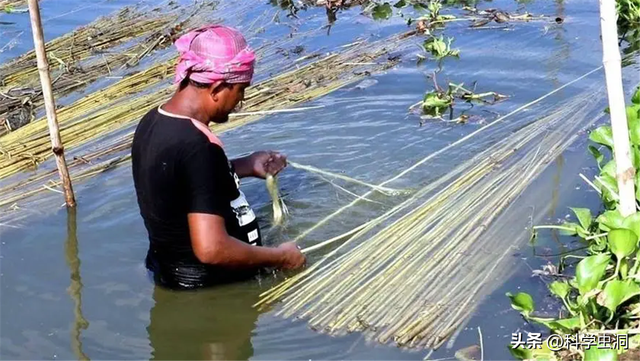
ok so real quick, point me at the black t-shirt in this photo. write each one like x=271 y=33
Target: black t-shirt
x=178 y=169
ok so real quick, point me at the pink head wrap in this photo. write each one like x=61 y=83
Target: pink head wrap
x=214 y=53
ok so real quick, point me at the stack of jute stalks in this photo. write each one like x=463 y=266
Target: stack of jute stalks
x=88 y=54
x=81 y=123
x=104 y=33
x=413 y=275
x=25 y=148
x=9 y=4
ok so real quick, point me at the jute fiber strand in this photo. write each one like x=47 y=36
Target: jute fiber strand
x=279 y=208
x=412 y=275
x=283 y=91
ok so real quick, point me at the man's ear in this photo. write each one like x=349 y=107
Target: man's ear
x=215 y=89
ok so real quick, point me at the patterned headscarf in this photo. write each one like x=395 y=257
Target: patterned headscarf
x=213 y=53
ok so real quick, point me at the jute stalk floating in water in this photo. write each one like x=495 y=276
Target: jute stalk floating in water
x=115 y=107
x=412 y=275
x=47 y=92
x=625 y=173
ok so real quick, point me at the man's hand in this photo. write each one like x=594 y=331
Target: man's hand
x=292 y=257
x=267 y=162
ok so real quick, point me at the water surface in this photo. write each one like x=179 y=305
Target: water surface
x=74 y=286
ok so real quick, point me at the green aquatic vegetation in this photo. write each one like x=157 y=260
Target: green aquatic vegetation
x=628 y=16
x=629 y=25
x=604 y=293
x=433 y=17
x=382 y=11
x=439 y=101
x=440 y=48
x=436 y=103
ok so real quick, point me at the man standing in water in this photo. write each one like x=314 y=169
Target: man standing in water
x=202 y=231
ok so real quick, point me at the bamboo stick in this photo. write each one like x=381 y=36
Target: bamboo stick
x=47 y=91
x=625 y=172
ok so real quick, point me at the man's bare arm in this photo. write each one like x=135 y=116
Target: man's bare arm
x=213 y=245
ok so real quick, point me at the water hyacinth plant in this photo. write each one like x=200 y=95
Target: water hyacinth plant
x=604 y=293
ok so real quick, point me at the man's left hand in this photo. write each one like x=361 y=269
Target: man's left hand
x=267 y=162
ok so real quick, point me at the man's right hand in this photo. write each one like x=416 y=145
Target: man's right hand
x=292 y=258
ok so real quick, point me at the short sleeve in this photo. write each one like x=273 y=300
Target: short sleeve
x=206 y=174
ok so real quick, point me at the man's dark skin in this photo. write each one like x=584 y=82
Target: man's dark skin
x=211 y=243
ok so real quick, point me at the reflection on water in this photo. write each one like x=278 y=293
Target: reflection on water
x=75 y=289
x=214 y=324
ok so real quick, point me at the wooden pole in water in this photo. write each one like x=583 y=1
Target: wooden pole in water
x=50 y=105
x=613 y=74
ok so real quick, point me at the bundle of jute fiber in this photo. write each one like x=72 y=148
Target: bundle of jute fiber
x=412 y=275
x=279 y=208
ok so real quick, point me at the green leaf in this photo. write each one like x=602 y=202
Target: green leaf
x=637 y=185
x=634 y=124
x=634 y=342
x=602 y=135
x=521 y=353
x=538 y=354
x=635 y=155
x=419 y=7
x=622 y=242
x=584 y=216
x=609 y=169
x=436 y=103
x=600 y=354
x=608 y=184
x=624 y=268
x=8 y=9
x=590 y=270
x=565 y=324
x=617 y=292
x=382 y=11
x=610 y=220
x=560 y=289
x=400 y=4
x=635 y=99
x=599 y=157
x=632 y=222
x=522 y=302
x=572 y=229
